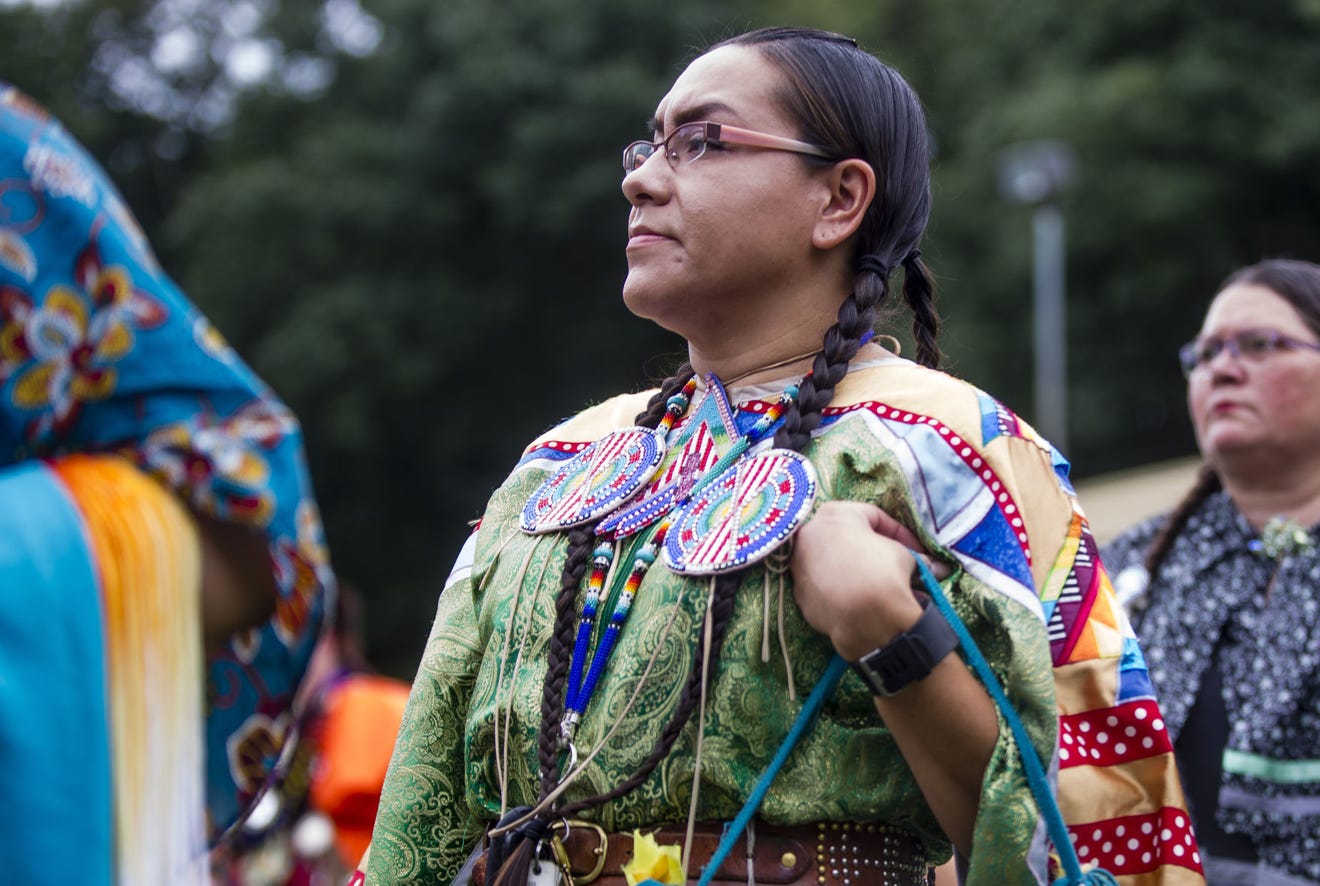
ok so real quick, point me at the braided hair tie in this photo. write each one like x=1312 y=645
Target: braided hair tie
x=874 y=265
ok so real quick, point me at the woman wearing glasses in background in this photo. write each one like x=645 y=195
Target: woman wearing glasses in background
x=628 y=637
x=1225 y=590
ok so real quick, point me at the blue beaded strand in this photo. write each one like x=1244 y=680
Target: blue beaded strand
x=601 y=559
x=580 y=691
x=605 y=648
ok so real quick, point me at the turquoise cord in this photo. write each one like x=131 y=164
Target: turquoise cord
x=823 y=689
x=1036 y=780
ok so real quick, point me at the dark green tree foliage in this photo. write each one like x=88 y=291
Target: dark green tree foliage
x=427 y=263
x=423 y=252
x=1196 y=153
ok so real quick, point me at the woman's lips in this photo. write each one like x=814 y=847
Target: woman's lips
x=646 y=238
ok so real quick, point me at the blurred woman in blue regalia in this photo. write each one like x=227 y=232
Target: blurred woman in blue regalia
x=163 y=576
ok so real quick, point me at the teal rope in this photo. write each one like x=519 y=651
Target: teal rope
x=1036 y=780
x=823 y=689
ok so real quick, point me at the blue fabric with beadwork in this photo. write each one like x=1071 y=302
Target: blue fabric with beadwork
x=100 y=352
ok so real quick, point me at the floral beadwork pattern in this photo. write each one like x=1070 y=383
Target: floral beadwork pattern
x=302 y=565
x=254 y=749
x=222 y=463
x=63 y=352
x=16 y=256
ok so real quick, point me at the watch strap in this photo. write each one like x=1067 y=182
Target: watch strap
x=911 y=655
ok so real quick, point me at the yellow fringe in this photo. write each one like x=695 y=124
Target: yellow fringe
x=147 y=551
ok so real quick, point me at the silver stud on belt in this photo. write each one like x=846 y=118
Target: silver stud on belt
x=839 y=856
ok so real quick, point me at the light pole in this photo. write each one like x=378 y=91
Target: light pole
x=1035 y=173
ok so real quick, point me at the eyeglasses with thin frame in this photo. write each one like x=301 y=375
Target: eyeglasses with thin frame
x=690 y=141
x=1253 y=345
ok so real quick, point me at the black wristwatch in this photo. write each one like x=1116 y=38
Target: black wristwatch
x=911 y=655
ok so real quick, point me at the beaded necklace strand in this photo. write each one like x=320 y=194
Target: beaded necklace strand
x=580 y=691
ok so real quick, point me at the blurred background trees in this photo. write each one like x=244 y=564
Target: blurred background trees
x=406 y=213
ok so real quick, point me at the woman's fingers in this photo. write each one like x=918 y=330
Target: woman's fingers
x=884 y=524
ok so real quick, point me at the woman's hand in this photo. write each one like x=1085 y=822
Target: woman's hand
x=852 y=566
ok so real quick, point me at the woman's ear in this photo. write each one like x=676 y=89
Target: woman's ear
x=850 y=190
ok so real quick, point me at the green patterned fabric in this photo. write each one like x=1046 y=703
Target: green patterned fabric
x=487 y=652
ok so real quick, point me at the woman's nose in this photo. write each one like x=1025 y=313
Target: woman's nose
x=1227 y=363
x=648 y=181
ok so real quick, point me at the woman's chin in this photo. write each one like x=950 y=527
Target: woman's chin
x=637 y=300
x=661 y=306
x=1230 y=445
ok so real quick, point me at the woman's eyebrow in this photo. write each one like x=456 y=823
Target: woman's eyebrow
x=691 y=114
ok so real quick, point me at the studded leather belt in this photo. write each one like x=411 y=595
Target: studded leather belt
x=822 y=854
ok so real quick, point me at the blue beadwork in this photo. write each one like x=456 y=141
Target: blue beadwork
x=580 y=691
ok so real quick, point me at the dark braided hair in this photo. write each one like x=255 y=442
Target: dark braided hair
x=1207 y=484
x=581 y=541
x=1296 y=282
x=853 y=105
x=512 y=869
x=919 y=293
x=655 y=407
x=722 y=600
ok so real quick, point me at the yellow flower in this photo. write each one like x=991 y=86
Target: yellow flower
x=651 y=861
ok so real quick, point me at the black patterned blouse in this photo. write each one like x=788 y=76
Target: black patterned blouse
x=1218 y=597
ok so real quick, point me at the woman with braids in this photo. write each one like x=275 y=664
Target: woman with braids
x=1225 y=590
x=629 y=633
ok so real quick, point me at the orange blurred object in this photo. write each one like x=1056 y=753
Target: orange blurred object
x=359 y=723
